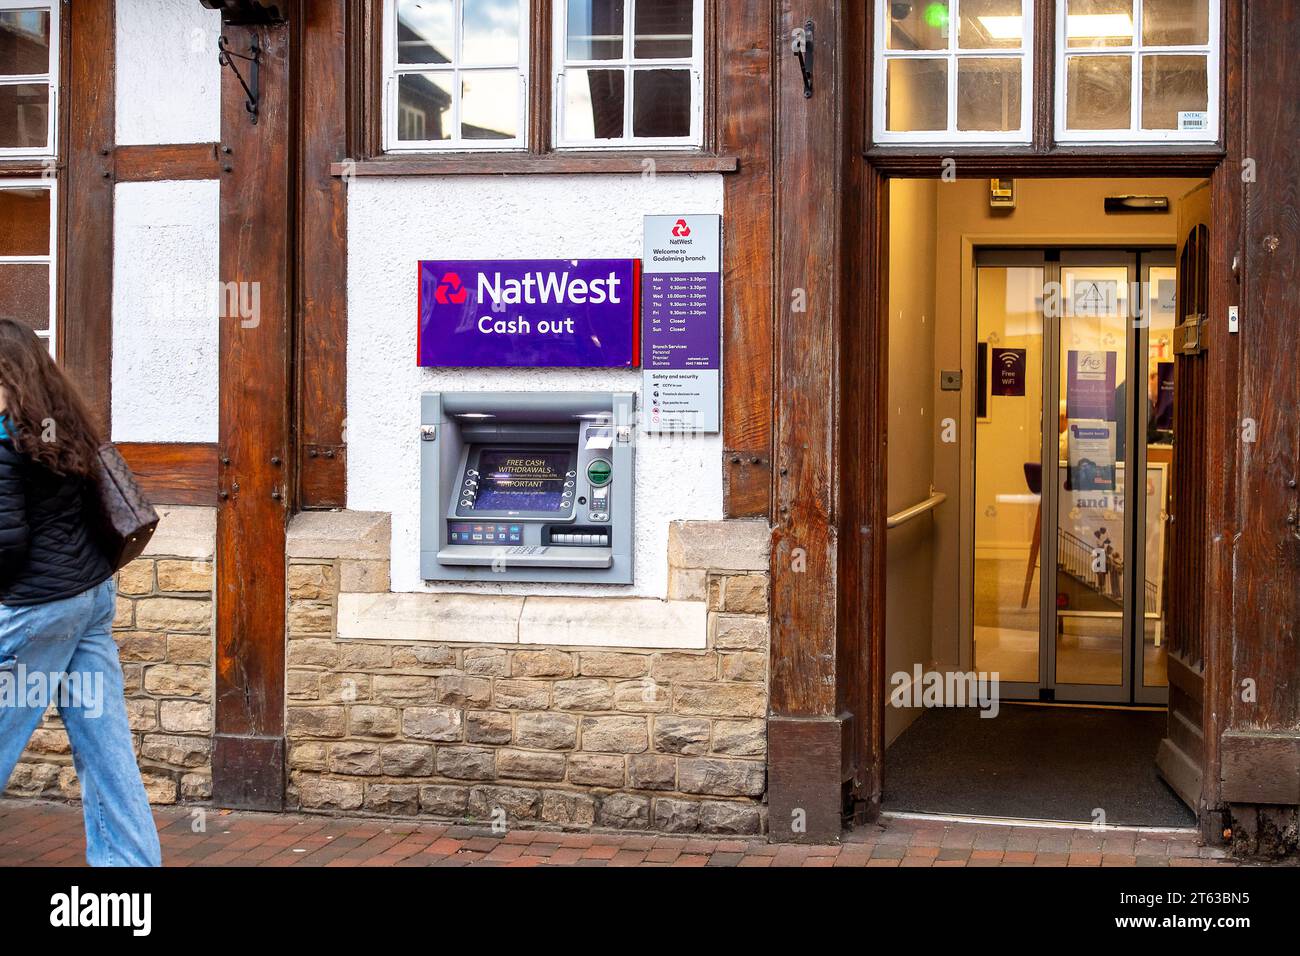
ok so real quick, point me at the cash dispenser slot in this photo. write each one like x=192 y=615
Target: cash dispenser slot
x=527 y=487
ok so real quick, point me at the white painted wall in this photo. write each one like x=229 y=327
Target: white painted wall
x=393 y=223
x=165 y=305
x=168 y=80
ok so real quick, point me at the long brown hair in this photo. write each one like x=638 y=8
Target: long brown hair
x=45 y=416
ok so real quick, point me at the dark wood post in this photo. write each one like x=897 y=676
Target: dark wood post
x=86 y=202
x=1260 y=748
x=255 y=470
x=816 y=645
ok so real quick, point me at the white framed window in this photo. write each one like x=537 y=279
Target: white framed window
x=455 y=75
x=1137 y=71
x=29 y=71
x=628 y=73
x=953 y=71
x=28 y=260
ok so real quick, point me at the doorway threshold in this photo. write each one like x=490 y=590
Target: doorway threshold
x=1030 y=821
x=1085 y=765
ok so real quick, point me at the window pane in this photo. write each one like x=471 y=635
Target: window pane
x=988 y=93
x=424 y=106
x=1098 y=92
x=663 y=29
x=491 y=32
x=24 y=42
x=990 y=24
x=1175 y=22
x=918 y=26
x=661 y=103
x=1172 y=84
x=593 y=104
x=917 y=91
x=25 y=294
x=24 y=222
x=24 y=116
x=425 y=31
x=1099 y=23
x=489 y=105
x=595 y=30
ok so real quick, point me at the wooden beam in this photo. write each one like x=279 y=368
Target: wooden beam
x=136 y=164
x=1266 y=597
x=745 y=126
x=805 y=666
x=513 y=164
x=1022 y=161
x=1223 y=423
x=862 y=408
x=321 y=318
x=1253 y=644
x=174 y=474
x=86 y=201
x=254 y=487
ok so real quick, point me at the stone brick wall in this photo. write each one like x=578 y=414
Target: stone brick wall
x=164 y=629
x=571 y=736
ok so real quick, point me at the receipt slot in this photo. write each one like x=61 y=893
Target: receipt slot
x=525 y=486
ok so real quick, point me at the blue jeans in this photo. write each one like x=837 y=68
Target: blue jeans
x=62 y=653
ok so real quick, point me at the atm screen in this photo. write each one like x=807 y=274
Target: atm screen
x=512 y=479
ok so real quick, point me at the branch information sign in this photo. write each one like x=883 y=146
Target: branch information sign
x=681 y=330
x=529 y=313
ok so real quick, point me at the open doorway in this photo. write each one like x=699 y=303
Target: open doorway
x=1032 y=331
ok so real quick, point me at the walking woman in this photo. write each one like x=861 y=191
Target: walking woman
x=57 y=599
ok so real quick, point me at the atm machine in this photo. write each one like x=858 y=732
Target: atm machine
x=527 y=486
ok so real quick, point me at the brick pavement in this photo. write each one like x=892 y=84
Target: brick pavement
x=41 y=833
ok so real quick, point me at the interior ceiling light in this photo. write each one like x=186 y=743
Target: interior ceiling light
x=1136 y=204
x=1089 y=25
x=1003 y=28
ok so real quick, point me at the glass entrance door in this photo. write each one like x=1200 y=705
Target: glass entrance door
x=1062 y=334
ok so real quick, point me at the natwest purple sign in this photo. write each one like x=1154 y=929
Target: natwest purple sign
x=529 y=313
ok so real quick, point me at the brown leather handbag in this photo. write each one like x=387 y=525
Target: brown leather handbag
x=120 y=515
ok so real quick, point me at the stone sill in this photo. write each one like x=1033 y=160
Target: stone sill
x=184 y=532
x=625 y=623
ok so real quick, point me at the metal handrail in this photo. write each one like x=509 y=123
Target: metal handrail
x=921 y=507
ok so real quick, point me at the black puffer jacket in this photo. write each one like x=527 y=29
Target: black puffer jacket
x=46 y=550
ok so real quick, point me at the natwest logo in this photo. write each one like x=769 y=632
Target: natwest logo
x=450 y=290
x=681 y=229
x=546 y=288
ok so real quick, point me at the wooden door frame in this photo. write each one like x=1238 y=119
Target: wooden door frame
x=826 y=714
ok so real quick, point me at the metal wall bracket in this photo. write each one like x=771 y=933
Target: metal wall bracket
x=1188 y=337
x=802 y=45
x=252 y=92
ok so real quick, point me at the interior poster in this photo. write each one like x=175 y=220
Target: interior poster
x=1009 y=372
x=1096 y=518
x=1162 y=414
x=1092 y=456
x=1090 y=389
